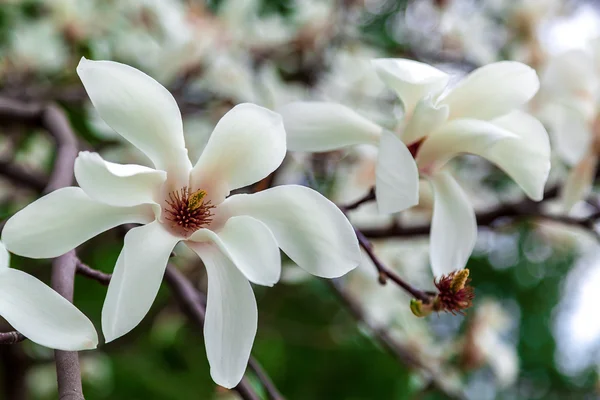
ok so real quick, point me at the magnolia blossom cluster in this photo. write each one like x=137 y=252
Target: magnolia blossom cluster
x=480 y=115
x=238 y=236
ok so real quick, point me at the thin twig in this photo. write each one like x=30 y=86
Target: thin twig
x=89 y=272
x=370 y=196
x=386 y=273
x=262 y=376
x=193 y=303
x=400 y=351
x=18 y=175
x=12 y=337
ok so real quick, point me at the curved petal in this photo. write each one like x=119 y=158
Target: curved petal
x=411 y=80
x=571 y=131
x=136 y=279
x=116 y=184
x=309 y=228
x=424 y=120
x=492 y=91
x=141 y=110
x=579 y=182
x=453 y=227
x=320 y=126
x=456 y=137
x=250 y=246
x=397 y=185
x=526 y=158
x=4 y=257
x=247 y=144
x=42 y=315
x=571 y=73
x=62 y=220
x=231 y=317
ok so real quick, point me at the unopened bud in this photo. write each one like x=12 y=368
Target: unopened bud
x=419 y=309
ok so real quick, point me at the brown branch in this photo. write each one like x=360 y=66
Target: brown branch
x=401 y=352
x=12 y=337
x=262 y=376
x=370 y=196
x=57 y=124
x=193 y=303
x=68 y=373
x=19 y=176
x=489 y=219
x=53 y=120
x=386 y=273
x=89 y=272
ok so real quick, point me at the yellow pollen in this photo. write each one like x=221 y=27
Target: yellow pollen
x=459 y=280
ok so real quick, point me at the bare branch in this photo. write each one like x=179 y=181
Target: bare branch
x=385 y=272
x=401 y=352
x=89 y=272
x=68 y=372
x=11 y=337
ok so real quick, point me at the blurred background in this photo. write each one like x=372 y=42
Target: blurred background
x=534 y=329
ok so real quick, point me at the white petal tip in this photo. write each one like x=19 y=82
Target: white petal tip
x=227 y=382
x=82 y=64
x=90 y=344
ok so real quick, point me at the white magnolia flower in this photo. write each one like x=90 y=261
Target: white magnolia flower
x=236 y=237
x=41 y=314
x=569 y=104
x=476 y=116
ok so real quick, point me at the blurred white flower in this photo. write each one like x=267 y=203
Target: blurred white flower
x=37 y=47
x=478 y=116
x=458 y=29
x=485 y=343
x=237 y=237
x=568 y=104
x=41 y=314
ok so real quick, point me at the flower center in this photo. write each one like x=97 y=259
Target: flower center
x=414 y=147
x=188 y=211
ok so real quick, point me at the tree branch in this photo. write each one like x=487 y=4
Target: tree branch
x=68 y=372
x=193 y=303
x=54 y=121
x=89 y=272
x=385 y=272
x=401 y=352
x=12 y=337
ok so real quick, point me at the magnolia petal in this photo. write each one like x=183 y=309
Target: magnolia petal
x=62 y=220
x=492 y=91
x=4 y=257
x=231 y=317
x=42 y=315
x=453 y=227
x=459 y=136
x=397 y=185
x=411 y=80
x=426 y=117
x=250 y=246
x=136 y=279
x=141 y=110
x=526 y=158
x=571 y=131
x=571 y=73
x=247 y=144
x=116 y=184
x=320 y=126
x=309 y=228
x=579 y=182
